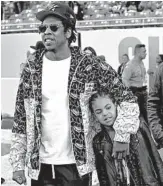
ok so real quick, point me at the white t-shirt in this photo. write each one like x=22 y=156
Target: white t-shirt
x=56 y=144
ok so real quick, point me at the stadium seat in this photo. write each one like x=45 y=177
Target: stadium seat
x=115 y=12
x=86 y=17
x=91 y=9
x=30 y=15
x=32 y=22
x=5 y=24
x=159 y=13
x=129 y=14
x=17 y=24
x=114 y=16
x=97 y=17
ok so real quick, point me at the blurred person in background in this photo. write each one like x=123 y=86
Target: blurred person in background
x=125 y=60
x=18 y=6
x=159 y=60
x=151 y=72
x=147 y=6
x=116 y=7
x=155 y=107
x=77 y=8
x=134 y=77
x=90 y=50
x=132 y=6
x=159 y=4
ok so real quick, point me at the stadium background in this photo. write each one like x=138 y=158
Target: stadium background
x=112 y=28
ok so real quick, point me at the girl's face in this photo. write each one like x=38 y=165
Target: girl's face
x=104 y=110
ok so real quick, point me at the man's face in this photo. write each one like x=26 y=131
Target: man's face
x=124 y=59
x=54 y=37
x=142 y=53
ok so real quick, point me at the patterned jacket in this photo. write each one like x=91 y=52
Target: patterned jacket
x=155 y=106
x=86 y=75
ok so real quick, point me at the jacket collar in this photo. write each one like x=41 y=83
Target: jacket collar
x=37 y=63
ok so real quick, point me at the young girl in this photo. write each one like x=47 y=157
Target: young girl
x=144 y=165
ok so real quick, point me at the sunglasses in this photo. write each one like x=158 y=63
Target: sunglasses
x=42 y=28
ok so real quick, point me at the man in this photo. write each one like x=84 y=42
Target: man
x=155 y=107
x=125 y=59
x=151 y=72
x=51 y=122
x=134 y=77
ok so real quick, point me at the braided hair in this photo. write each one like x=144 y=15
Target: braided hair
x=100 y=93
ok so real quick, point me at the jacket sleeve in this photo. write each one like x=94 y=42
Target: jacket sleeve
x=18 y=144
x=154 y=108
x=127 y=121
x=100 y=168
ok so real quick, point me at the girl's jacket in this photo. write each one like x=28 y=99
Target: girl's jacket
x=144 y=162
x=86 y=75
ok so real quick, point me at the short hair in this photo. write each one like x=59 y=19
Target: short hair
x=91 y=49
x=125 y=55
x=138 y=46
x=161 y=56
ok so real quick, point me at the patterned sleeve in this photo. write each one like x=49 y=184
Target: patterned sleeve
x=127 y=121
x=18 y=144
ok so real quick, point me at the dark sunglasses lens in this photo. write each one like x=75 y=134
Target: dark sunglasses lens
x=53 y=28
x=42 y=28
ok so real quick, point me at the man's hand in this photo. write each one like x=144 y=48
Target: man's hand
x=120 y=150
x=19 y=177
